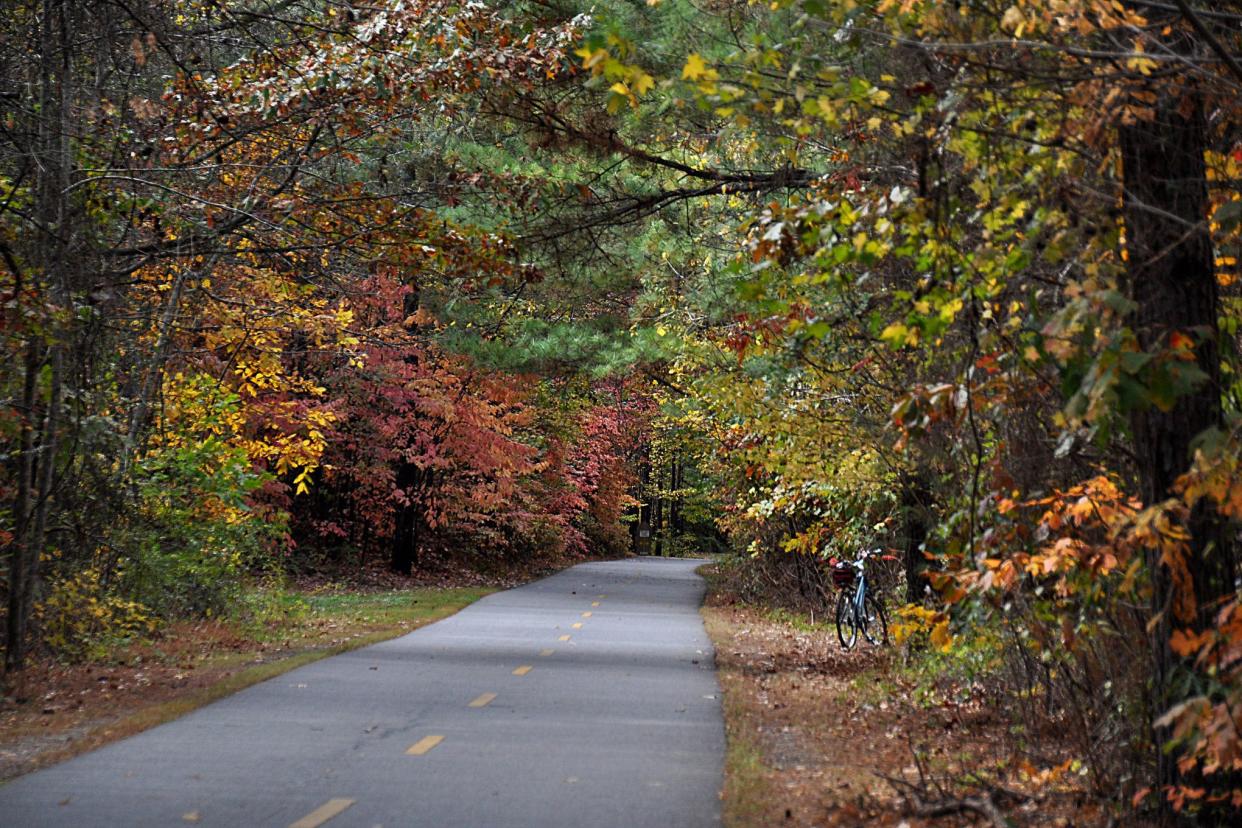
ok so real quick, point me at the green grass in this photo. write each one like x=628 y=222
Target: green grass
x=281 y=615
x=393 y=607
x=874 y=685
x=800 y=621
x=748 y=789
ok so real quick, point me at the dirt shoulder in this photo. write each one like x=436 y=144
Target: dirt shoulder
x=822 y=737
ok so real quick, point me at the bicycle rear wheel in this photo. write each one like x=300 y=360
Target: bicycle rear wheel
x=874 y=624
x=847 y=630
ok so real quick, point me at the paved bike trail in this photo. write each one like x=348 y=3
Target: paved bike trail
x=585 y=699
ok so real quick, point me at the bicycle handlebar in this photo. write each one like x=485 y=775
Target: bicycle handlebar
x=863 y=556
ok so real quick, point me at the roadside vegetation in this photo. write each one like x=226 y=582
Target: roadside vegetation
x=901 y=735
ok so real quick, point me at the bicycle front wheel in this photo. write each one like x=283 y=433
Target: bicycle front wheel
x=874 y=624
x=847 y=631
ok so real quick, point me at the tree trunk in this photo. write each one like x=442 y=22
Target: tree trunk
x=643 y=545
x=22 y=550
x=153 y=378
x=915 y=513
x=53 y=253
x=1172 y=280
x=409 y=520
x=405 y=541
x=657 y=524
x=676 y=523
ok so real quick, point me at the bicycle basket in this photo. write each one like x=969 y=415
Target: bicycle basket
x=842 y=575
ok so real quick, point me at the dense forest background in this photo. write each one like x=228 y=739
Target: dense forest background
x=293 y=284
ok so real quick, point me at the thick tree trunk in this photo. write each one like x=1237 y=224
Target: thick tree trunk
x=1172 y=281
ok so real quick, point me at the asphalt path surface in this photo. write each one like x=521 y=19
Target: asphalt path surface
x=585 y=699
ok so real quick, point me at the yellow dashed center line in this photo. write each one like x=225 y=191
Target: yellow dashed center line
x=601 y=596
x=423 y=745
x=577 y=625
x=325 y=812
x=563 y=638
x=595 y=603
x=192 y=816
x=546 y=653
x=586 y=615
x=483 y=700
x=523 y=670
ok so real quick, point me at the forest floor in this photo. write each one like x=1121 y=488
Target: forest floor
x=818 y=736
x=54 y=710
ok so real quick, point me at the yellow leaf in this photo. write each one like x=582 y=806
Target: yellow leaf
x=941 y=638
x=1012 y=19
x=592 y=59
x=898 y=334
x=695 y=68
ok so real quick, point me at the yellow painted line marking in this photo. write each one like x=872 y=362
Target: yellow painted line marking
x=546 y=653
x=601 y=596
x=423 y=745
x=576 y=625
x=586 y=615
x=192 y=816
x=523 y=670
x=595 y=603
x=325 y=812
x=563 y=638
x=483 y=700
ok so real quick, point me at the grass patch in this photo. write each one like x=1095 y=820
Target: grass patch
x=800 y=621
x=392 y=607
x=746 y=789
x=293 y=617
x=876 y=684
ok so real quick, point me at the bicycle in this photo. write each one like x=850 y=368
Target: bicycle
x=857 y=609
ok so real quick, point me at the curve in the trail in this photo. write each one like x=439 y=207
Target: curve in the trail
x=584 y=699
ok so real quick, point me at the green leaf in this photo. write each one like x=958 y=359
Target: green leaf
x=1117 y=302
x=1228 y=214
x=1133 y=361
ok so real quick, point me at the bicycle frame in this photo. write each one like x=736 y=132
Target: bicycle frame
x=860 y=594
